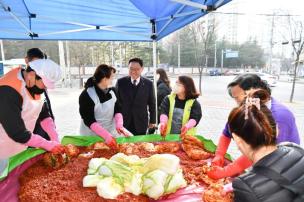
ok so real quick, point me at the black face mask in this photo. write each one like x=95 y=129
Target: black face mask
x=35 y=90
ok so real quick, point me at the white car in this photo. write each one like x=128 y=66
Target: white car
x=271 y=80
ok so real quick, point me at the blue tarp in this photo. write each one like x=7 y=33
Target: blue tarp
x=111 y=20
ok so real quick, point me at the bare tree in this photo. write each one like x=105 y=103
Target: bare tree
x=203 y=36
x=296 y=37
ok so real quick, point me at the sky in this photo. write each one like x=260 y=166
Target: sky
x=256 y=26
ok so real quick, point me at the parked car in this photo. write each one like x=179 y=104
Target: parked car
x=229 y=73
x=291 y=78
x=271 y=80
x=214 y=72
x=149 y=75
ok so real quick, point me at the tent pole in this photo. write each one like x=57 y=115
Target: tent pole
x=68 y=62
x=2 y=51
x=62 y=61
x=154 y=80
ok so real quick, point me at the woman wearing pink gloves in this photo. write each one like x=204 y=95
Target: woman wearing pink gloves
x=99 y=108
x=20 y=105
x=180 y=111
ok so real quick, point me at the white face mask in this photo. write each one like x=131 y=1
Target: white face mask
x=176 y=89
x=157 y=76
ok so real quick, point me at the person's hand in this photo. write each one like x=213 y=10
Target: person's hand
x=232 y=169
x=184 y=131
x=119 y=122
x=120 y=131
x=58 y=149
x=223 y=144
x=217 y=173
x=152 y=125
x=227 y=188
x=111 y=142
x=163 y=129
x=218 y=160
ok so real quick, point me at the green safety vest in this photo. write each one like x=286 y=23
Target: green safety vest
x=186 y=116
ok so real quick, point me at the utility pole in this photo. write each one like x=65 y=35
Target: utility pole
x=271 y=43
x=215 y=55
x=2 y=51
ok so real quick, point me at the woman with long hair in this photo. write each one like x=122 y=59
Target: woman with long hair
x=99 y=108
x=163 y=87
x=180 y=111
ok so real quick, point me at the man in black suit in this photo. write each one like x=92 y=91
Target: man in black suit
x=137 y=98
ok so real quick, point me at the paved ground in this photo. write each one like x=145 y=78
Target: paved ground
x=216 y=105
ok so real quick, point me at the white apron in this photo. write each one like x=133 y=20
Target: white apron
x=104 y=114
x=30 y=111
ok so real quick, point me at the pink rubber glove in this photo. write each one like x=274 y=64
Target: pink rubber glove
x=221 y=150
x=163 y=124
x=48 y=126
x=234 y=168
x=38 y=141
x=190 y=124
x=109 y=140
x=118 y=122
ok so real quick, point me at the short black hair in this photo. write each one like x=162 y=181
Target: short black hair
x=249 y=81
x=35 y=53
x=138 y=60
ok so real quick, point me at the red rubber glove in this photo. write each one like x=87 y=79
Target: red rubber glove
x=163 y=125
x=99 y=130
x=221 y=150
x=234 y=168
x=48 y=126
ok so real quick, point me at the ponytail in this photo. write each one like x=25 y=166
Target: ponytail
x=253 y=122
x=90 y=83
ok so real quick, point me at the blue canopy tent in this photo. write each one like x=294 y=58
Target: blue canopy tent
x=99 y=20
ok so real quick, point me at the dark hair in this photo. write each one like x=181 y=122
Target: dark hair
x=260 y=127
x=102 y=71
x=35 y=53
x=190 y=90
x=163 y=76
x=249 y=81
x=138 y=60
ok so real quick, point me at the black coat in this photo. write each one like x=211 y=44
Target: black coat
x=162 y=91
x=287 y=161
x=135 y=108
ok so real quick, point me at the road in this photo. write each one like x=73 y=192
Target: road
x=215 y=101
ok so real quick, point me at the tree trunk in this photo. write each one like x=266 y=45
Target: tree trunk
x=200 y=69
x=294 y=78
